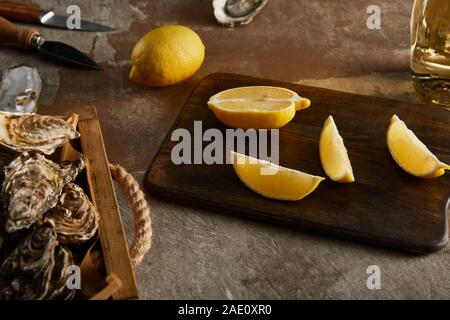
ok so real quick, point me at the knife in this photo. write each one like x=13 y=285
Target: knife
x=32 y=13
x=30 y=38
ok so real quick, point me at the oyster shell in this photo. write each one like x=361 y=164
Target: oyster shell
x=32 y=132
x=237 y=12
x=32 y=186
x=37 y=268
x=75 y=217
x=58 y=289
x=27 y=271
x=20 y=89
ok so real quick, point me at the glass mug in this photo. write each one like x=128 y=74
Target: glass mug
x=430 y=49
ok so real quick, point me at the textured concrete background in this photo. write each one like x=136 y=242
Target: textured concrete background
x=201 y=254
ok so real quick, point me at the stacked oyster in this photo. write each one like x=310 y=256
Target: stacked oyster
x=44 y=215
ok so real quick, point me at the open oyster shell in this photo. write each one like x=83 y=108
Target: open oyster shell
x=75 y=217
x=237 y=12
x=32 y=132
x=27 y=271
x=20 y=89
x=32 y=186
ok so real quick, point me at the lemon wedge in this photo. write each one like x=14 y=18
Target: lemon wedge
x=333 y=154
x=410 y=153
x=258 y=107
x=273 y=181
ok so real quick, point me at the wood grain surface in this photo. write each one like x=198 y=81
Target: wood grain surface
x=385 y=206
x=112 y=237
x=20 y=12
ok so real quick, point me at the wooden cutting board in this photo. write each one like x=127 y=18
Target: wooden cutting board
x=385 y=205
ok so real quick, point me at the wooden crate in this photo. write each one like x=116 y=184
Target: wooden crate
x=101 y=189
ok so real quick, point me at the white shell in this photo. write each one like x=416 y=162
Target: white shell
x=20 y=89
x=32 y=132
x=227 y=19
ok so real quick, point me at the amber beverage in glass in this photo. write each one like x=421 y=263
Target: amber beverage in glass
x=430 y=49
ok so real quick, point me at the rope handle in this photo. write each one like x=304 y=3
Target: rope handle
x=141 y=211
x=142 y=227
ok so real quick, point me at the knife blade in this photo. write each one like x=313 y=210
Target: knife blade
x=32 y=39
x=31 y=13
x=65 y=53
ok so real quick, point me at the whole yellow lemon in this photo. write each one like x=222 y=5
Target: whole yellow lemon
x=166 y=55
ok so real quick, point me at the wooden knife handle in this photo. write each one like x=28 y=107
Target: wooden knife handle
x=20 y=12
x=11 y=33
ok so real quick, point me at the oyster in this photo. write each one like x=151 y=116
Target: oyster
x=37 y=268
x=58 y=289
x=27 y=271
x=20 y=89
x=32 y=186
x=237 y=12
x=75 y=217
x=32 y=132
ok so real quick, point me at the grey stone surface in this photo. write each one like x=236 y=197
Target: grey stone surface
x=201 y=254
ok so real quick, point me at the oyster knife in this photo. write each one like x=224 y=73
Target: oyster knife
x=32 y=39
x=31 y=13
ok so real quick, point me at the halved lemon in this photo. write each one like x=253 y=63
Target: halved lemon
x=273 y=181
x=259 y=107
x=333 y=153
x=410 y=153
